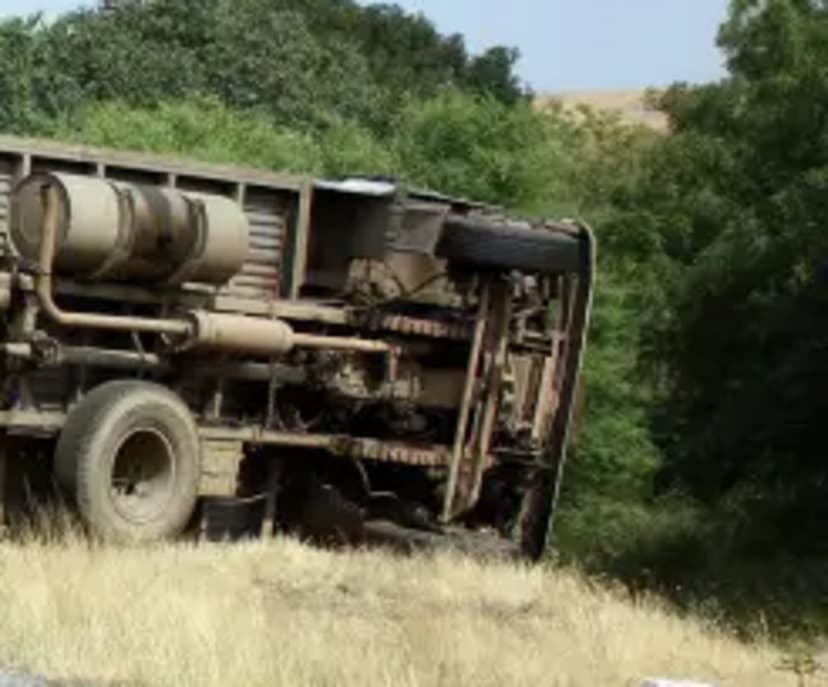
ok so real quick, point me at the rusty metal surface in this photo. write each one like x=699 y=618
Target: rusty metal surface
x=469 y=485
x=352 y=447
x=547 y=394
x=466 y=404
x=540 y=503
x=434 y=329
x=398 y=276
x=392 y=452
x=255 y=434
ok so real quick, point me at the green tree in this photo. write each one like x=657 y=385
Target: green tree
x=493 y=74
x=31 y=90
x=476 y=146
x=737 y=199
x=305 y=63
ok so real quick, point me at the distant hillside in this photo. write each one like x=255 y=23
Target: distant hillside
x=629 y=104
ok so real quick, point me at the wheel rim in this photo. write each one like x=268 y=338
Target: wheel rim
x=143 y=474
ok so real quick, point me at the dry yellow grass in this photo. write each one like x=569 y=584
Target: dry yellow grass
x=280 y=613
x=629 y=105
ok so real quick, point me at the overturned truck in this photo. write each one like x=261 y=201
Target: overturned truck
x=200 y=348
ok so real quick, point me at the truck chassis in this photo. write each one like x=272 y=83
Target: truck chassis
x=231 y=351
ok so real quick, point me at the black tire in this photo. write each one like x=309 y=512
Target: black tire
x=129 y=454
x=484 y=243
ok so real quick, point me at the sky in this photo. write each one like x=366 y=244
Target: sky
x=566 y=45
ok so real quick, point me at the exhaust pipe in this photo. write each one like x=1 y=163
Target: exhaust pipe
x=257 y=336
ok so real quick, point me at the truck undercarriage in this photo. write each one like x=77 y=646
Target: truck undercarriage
x=230 y=351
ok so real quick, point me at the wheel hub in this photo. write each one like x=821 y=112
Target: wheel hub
x=142 y=475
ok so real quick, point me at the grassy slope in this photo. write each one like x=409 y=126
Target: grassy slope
x=279 y=613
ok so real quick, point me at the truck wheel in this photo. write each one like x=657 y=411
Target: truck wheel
x=130 y=455
x=482 y=242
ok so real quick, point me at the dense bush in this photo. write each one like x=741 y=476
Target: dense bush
x=725 y=221
x=203 y=129
x=301 y=62
x=737 y=197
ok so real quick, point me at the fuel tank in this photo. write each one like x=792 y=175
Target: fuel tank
x=115 y=231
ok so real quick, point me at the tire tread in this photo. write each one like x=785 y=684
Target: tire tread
x=76 y=466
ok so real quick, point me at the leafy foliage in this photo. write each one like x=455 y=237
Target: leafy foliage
x=493 y=73
x=742 y=223
x=31 y=91
x=302 y=62
x=511 y=155
x=723 y=221
x=204 y=128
